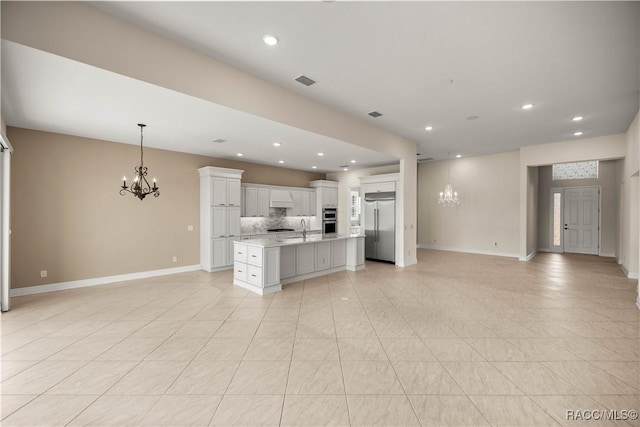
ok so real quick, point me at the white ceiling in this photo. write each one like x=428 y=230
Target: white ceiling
x=567 y=58
x=47 y=92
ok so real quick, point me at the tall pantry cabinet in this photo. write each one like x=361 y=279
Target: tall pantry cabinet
x=220 y=207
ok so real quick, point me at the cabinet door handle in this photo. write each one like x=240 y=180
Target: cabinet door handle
x=253 y=275
x=221 y=204
x=254 y=256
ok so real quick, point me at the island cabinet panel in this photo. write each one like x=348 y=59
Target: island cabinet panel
x=338 y=253
x=287 y=261
x=323 y=255
x=305 y=258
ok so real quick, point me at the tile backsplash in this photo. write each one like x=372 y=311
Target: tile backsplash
x=277 y=219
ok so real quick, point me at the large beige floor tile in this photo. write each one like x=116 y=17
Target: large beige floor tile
x=314 y=410
x=279 y=314
x=264 y=410
x=535 y=379
x=260 y=378
x=410 y=349
x=628 y=372
x=9 y=403
x=317 y=377
x=381 y=410
x=370 y=377
x=620 y=404
x=132 y=349
x=316 y=328
x=454 y=411
x=425 y=378
x=512 y=411
x=178 y=348
x=361 y=349
x=497 y=349
x=120 y=328
x=315 y=349
x=571 y=410
x=40 y=377
x=40 y=349
x=148 y=377
x=14 y=367
x=354 y=329
x=93 y=378
x=182 y=411
x=158 y=328
x=269 y=329
x=269 y=349
x=542 y=350
x=49 y=411
x=451 y=349
x=204 y=378
x=198 y=328
x=590 y=379
x=86 y=349
x=224 y=349
x=480 y=378
x=115 y=411
x=237 y=329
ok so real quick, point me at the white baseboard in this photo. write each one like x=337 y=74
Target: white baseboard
x=408 y=262
x=29 y=290
x=607 y=254
x=469 y=251
x=629 y=274
x=638 y=302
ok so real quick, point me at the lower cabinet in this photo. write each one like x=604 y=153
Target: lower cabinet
x=323 y=255
x=305 y=258
x=338 y=253
x=258 y=267
x=219 y=249
x=287 y=261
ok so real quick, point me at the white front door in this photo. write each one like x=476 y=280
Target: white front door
x=582 y=220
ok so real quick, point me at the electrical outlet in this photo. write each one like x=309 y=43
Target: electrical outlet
x=189 y=227
x=43 y=273
x=495 y=243
x=175 y=259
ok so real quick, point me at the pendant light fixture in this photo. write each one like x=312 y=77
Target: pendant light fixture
x=448 y=197
x=140 y=187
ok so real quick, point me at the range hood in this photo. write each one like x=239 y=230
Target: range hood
x=281 y=199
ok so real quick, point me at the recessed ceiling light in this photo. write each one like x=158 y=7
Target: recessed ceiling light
x=577 y=133
x=458 y=156
x=353 y=161
x=527 y=106
x=577 y=118
x=239 y=154
x=429 y=128
x=314 y=167
x=280 y=161
x=345 y=169
x=270 y=40
x=276 y=144
x=320 y=154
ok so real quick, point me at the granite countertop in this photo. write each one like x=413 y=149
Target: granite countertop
x=284 y=241
x=280 y=232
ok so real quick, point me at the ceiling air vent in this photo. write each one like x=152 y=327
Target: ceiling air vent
x=219 y=141
x=305 y=80
x=375 y=114
x=426 y=159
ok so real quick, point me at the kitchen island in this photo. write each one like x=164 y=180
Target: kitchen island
x=264 y=265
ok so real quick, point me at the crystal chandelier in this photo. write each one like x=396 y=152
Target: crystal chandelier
x=448 y=197
x=140 y=187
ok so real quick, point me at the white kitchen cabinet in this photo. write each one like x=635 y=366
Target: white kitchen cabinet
x=234 y=194
x=305 y=203
x=218 y=221
x=305 y=258
x=220 y=211
x=355 y=253
x=323 y=255
x=218 y=191
x=326 y=194
x=263 y=202
x=219 y=251
x=312 y=203
x=296 y=196
x=250 y=201
x=287 y=261
x=261 y=271
x=338 y=253
x=233 y=221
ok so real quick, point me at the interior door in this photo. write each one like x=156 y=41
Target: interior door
x=581 y=220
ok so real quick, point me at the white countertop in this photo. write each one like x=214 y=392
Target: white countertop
x=284 y=241
x=275 y=233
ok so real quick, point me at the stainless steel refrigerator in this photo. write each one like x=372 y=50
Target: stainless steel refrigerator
x=380 y=226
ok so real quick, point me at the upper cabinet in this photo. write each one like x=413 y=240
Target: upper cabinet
x=326 y=194
x=233 y=192
x=257 y=200
x=225 y=191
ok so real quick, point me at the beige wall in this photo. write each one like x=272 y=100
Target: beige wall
x=68 y=218
x=488 y=212
x=83 y=33
x=532 y=211
x=607 y=181
x=349 y=179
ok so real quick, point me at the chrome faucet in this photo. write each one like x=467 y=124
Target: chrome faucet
x=304 y=230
